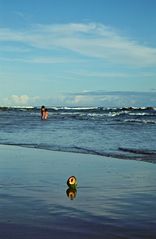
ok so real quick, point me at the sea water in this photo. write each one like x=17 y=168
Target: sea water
x=114 y=199
x=127 y=133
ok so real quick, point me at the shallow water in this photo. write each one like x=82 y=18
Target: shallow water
x=114 y=199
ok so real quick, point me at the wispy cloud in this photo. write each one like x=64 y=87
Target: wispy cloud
x=89 y=40
x=40 y=60
x=13 y=49
x=113 y=74
x=19 y=14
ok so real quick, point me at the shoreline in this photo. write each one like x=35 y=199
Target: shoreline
x=115 y=198
x=135 y=154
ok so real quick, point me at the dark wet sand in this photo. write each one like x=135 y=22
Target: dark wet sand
x=114 y=199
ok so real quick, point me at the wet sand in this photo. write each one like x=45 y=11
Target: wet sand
x=114 y=198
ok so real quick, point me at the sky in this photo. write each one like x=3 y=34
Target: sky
x=78 y=53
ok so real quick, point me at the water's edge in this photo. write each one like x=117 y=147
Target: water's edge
x=134 y=154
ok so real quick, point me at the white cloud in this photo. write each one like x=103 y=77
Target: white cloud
x=108 y=99
x=19 y=100
x=86 y=99
x=91 y=40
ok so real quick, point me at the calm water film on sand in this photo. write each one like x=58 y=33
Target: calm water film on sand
x=112 y=154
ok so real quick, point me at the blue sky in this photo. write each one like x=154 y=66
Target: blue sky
x=78 y=52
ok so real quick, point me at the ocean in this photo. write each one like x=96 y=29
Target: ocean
x=125 y=133
x=114 y=198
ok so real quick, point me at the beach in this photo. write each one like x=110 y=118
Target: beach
x=114 y=198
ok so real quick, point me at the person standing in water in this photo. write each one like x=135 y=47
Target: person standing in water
x=45 y=114
x=42 y=110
